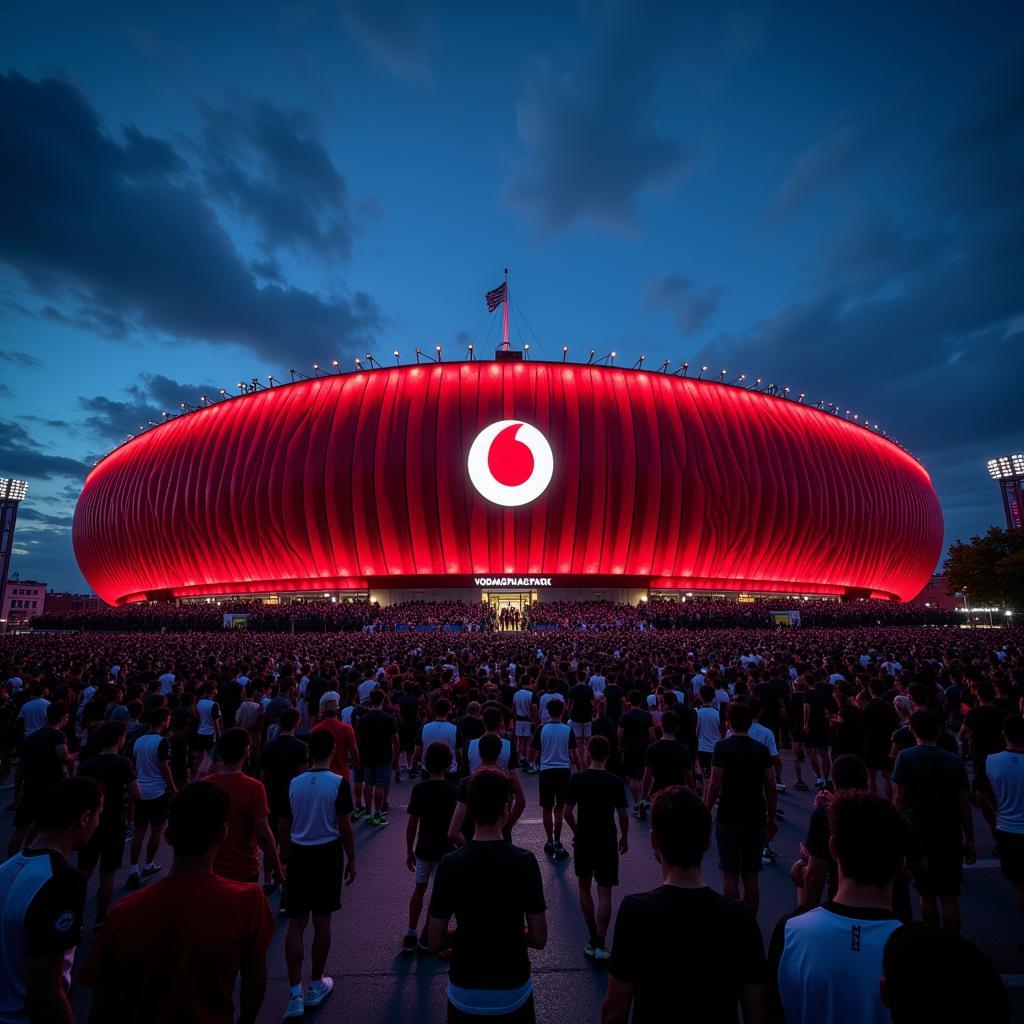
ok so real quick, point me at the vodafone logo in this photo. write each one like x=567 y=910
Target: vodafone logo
x=510 y=463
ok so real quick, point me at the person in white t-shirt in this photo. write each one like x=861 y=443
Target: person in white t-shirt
x=709 y=730
x=33 y=712
x=1005 y=773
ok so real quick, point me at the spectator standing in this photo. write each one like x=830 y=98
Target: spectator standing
x=377 y=738
x=659 y=958
x=1005 y=772
x=174 y=951
x=594 y=798
x=489 y=976
x=555 y=746
x=321 y=852
x=42 y=903
x=827 y=962
x=743 y=783
x=152 y=756
x=931 y=788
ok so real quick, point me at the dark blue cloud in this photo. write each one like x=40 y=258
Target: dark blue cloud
x=272 y=166
x=399 y=35
x=114 y=230
x=22 y=456
x=692 y=308
x=590 y=145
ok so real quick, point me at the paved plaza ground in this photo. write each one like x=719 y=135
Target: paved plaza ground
x=376 y=984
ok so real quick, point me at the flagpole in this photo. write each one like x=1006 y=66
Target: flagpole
x=504 y=343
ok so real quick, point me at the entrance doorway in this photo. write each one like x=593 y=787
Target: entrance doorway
x=510 y=607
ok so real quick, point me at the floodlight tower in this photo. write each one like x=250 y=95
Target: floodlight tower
x=12 y=494
x=1009 y=471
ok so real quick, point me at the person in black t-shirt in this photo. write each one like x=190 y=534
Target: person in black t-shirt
x=932 y=790
x=659 y=956
x=880 y=722
x=743 y=783
x=594 y=799
x=669 y=762
x=613 y=695
x=431 y=805
x=106 y=846
x=43 y=757
x=636 y=734
x=982 y=733
x=490 y=968
x=818 y=705
x=280 y=761
x=407 y=704
x=581 y=714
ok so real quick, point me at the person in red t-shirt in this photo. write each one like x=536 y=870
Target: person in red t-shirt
x=248 y=828
x=173 y=951
x=344 y=739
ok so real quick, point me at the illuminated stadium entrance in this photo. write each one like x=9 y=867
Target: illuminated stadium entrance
x=510 y=600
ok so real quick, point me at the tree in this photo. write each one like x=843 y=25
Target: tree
x=990 y=569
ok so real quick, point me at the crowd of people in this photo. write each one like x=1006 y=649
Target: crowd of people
x=257 y=756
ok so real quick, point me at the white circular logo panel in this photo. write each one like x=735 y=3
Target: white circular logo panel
x=510 y=463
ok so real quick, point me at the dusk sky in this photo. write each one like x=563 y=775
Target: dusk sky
x=827 y=196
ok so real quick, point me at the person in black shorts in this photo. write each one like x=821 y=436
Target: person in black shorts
x=931 y=788
x=594 y=799
x=880 y=722
x=321 y=852
x=106 y=846
x=43 y=757
x=669 y=762
x=636 y=734
x=743 y=777
x=818 y=705
x=555 y=744
x=431 y=806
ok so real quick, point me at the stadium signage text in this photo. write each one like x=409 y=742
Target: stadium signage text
x=512 y=581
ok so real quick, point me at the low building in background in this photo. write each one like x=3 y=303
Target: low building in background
x=65 y=601
x=23 y=601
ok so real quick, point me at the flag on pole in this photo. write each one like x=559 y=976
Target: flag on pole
x=496 y=296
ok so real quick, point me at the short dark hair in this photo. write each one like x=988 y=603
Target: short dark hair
x=289 y=718
x=233 y=744
x=492 y=718
x=599 y=748
x=555 y=707
x=489 y=749
x=670 y=723
x=739 y=717
x=973 y=991
x=1013 y=726
x=197 y=818
x=870 y=836
x=158 y=716
x=67 y=801
x=683 y=826
x=707 y=693
x=635 y=697
x=321 y=744
x=849 y=772
x=377 y=697
x=925 y=725
x=55 y=712
x=921 y=694
x=109 y=733
x=487 y=795
x=442 y=706
x=437 y=758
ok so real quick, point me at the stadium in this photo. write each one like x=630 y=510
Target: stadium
x=508 y=482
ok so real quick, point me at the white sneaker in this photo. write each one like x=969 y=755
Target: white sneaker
x=316 y=994
x=295 y=1008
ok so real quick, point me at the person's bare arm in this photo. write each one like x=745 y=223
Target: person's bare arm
x=253 y=986
x=569 y=817
x=754 y=1004
x=455 y=828
x=623 y=830
x=617 y=1002
x=265 y=839
x=410 y=841
x=45 y=1000
x=648 y=782
x=899 y=797
x=437 y=933
x=518 y=797
x=815 y=875
x=537 y=930
x=165 y=771
x=349 y=846
x=713 y=787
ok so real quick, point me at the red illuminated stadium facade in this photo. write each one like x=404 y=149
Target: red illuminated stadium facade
x=457 y=480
